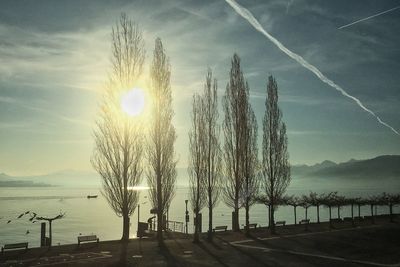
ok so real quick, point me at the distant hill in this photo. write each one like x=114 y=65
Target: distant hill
x=303 y=170
x=377 y=170
x=72 y=178
x=382 y=167
x=9 y=181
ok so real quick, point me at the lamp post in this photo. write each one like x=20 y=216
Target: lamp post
x=138 y=211
x=186 y=217
x=138 y=214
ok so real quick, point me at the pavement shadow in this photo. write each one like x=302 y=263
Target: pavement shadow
x=246 y=253
x=123 y=258
x=212 y=243
x=169 y=257
x=214 y=256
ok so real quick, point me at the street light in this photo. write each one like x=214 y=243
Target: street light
x=186 y=217
x=138 y=211
x=138 y=220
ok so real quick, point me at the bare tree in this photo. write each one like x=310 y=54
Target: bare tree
x=161 y=171
x=294 y=202
x=316 y=201
x=212 y=147
x=128 y=51
x=197 y=162
x=35 y=218
x=233 y=135
x=50 y=221
x=250 y=160
x=352 y=201
x=263 y=199
x=339 y=202
x=276 y=168
x=329 y=201
x=118 y=139
x=390 y=200
x=305 y=202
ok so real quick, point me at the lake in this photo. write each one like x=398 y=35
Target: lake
x=86 y=216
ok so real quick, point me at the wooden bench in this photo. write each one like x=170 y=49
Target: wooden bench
x=220 y=228
x=87 y=238
x=282 y=223
x=358 y=218
x=252 y=225
x=15 y=246
x=347 y=219
x=304 y=221
x=336 y=220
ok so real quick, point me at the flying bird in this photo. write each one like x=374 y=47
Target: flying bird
x=9 y=221
x=22 y=214
x=367 y=18
x=33 y=217
x=27 y=232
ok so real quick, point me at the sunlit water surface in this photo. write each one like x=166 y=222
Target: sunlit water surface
x=94 y=216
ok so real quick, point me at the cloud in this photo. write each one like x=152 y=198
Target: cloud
x=253 y=21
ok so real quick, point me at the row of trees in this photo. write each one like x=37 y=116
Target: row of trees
x=334 y=200
x=234 y=167
x=123 y=144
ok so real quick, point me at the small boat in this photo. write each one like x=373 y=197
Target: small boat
x=92 y=196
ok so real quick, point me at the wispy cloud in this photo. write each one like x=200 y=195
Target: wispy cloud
x=369 y=17
x=253 y=21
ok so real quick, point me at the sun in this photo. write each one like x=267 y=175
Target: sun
x=133 y=101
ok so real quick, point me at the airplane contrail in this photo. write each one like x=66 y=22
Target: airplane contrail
x=246 y=14
x=370 y=17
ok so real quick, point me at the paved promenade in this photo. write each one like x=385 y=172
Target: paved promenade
x=365 y=245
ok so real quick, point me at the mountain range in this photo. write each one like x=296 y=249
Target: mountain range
x=382 y=167
x=385 y=167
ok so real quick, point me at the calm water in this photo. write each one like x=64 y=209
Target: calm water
x=87 y=216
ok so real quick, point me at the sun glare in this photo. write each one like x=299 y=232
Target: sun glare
x=133 y=101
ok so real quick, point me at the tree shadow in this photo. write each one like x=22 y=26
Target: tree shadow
x=214 y=256
x=169 y=257
x=123 y=259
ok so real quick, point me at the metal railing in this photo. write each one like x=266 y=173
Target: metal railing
x=175 y=226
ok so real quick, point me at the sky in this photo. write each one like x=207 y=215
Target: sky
x=55 y=56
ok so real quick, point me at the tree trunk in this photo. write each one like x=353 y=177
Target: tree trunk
x=318 y=214
x=352 y=214
x=159 y=212
x=235 y=222
x=196 y=228
x=272 y=222
x=295 y=215
x=359 y=210
x=125 y=227
x=338 y=212
x=372 y=214
x=247 y=217
x=330 y=216
x=50 y=234
x=196 y=225
x=306 y=211
x=391 y=212
x=210 y=217
x=269 y=216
